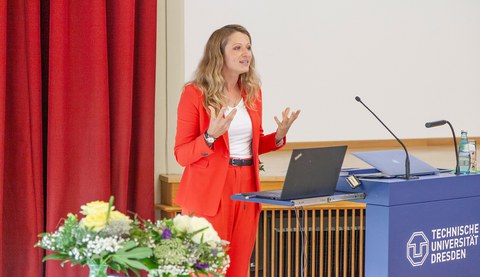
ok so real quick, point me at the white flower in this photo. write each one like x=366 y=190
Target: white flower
x=209 y=234
x=192 y=224
x=182 y=222
x=108 y=244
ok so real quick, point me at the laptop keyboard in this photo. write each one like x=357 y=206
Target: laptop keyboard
x=269 y=193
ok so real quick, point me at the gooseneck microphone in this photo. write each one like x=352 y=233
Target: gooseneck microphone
x=436 y=123
x=407 y=159
x=443 y=122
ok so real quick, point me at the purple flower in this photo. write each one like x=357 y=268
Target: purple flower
x=200 y=266
x=214 y=252
x=167 y=234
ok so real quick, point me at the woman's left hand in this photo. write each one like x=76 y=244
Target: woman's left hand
x=287 y=121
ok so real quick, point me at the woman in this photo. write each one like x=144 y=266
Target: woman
x=219 y=138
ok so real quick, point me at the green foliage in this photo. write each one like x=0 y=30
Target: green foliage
x=262 y=167
x=74 y=242
x=182 y=246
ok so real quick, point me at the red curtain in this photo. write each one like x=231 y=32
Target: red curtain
x=21 y=194
x=97 y=62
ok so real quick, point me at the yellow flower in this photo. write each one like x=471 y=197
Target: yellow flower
x=96 y=215
x=97 y=221
x=95 y=207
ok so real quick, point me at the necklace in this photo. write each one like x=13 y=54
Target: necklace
x=234 y=101
x=234 y=95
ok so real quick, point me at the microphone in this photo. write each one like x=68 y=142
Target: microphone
x=436 y=123
x=407 y=159
x=443 y=122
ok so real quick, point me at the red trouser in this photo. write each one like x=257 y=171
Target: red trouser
x=236 y=221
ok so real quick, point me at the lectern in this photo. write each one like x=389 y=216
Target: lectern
x=423 y=227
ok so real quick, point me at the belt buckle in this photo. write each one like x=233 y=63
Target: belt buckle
x=237 y=162
x=240 y=162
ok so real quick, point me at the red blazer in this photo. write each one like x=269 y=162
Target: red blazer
x=205 y=171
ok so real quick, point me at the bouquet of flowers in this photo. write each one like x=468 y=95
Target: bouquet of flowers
x=101 y=239
x=183 y=246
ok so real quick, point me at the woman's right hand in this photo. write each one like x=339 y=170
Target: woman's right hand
x=219 y=124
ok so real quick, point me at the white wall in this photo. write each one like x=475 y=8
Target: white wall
x=410 y=61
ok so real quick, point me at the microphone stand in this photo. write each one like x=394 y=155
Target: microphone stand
x=457 y=168
x=407 y=159
x=443 y=122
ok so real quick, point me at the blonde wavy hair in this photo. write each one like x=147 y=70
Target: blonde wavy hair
x=208 y=76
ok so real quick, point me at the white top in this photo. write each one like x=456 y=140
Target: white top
x=240 y=132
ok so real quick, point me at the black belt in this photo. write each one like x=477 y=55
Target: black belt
x=240 y=162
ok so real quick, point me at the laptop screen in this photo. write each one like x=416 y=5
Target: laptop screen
x=313 y=172
x=392 y=162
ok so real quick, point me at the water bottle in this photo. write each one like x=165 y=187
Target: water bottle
x=473 y=156
x=464 y=154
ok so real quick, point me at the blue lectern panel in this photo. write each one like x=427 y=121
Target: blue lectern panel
x=377 y=241
x=429 y=239
x=423 y=227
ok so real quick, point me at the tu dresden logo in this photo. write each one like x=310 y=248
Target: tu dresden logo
x=417 y=248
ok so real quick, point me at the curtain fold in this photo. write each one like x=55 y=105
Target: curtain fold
x=131 y=64
x=21 y=174
x=101 y=95
x=78 y=139
x=98 y=118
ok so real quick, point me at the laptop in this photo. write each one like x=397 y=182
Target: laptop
x=392 y=163
x=312 y=172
